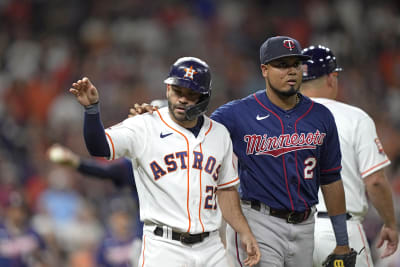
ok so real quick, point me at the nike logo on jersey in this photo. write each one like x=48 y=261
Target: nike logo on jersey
x=261 y=118
x=164 y=135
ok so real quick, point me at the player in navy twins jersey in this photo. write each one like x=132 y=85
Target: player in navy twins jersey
x=287 y=146
x=293 y=144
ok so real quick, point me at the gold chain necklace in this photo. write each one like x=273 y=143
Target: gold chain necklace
x=297 y=99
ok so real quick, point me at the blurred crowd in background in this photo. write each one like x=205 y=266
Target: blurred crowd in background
x=126 y=48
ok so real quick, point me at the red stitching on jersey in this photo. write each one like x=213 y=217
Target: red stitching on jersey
x=334 y=169
x=188 y=168
x=283 y=156
x=302 y=116
x=112 y=145
x=295 y=154
x=201 y=193
x=228 y=182
x=298 y=181
x=376 y=166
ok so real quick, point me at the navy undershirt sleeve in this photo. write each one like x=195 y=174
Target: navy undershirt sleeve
x=340 y=229
x=93 y=132
x=330 y=178
x=119 y=171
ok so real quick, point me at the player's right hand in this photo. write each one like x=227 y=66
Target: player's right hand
x=85 y=92
x=391 y=236
x=141 y=108
x=249 y=243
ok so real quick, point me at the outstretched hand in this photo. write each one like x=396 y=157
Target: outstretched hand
x=141 y=108
x=391 y=236
x=250 y=245
x=62 y=155
x=85 y=92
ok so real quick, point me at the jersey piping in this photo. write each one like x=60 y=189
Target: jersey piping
x=112 y=145
x=201 y=171
x=283 y=156
x=374 y=167
x=363 y=241
x=295 y=155
x=209 y=129
x=188 y=170
x=333 y=169
x=228 y=182
x=144 y=248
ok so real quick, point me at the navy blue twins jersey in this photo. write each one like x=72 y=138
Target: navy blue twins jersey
x=283 y=155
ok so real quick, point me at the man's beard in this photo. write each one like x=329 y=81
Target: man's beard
x=292 y=91
x=171 y=109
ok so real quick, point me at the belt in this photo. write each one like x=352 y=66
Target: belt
x=292 y=217
x=185 y=238
x=322 y=214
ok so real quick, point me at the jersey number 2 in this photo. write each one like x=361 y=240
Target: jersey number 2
x=210 y=201
x=309 y=166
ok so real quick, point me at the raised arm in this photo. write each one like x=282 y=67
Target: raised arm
x=93 y=130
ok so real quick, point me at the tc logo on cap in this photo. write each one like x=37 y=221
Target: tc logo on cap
x=289 y=44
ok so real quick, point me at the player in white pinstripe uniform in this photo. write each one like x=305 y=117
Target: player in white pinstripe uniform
x=182 y=165
x=363 y=162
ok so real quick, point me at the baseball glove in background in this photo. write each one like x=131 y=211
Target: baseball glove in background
x=345 y=260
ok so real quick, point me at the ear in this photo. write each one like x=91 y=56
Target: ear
x=264 y=70
x=330 y=80
x=333 y=85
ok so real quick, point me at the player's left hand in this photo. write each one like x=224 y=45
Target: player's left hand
x=249 y=243
x=345 y=259
x=85 y=92
x=341 y=250
x=390 y=235
x=141 y=108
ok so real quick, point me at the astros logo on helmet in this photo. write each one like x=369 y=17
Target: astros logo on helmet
x=182 y=73
x=190 y=72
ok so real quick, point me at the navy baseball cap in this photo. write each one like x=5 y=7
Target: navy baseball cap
x=279 y=47
x=322 y=62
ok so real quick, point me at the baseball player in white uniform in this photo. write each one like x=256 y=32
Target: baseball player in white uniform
x=183 y=168
x=363 y=162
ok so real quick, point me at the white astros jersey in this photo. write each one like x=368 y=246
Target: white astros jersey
x=176 y=174
x=362 y=153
